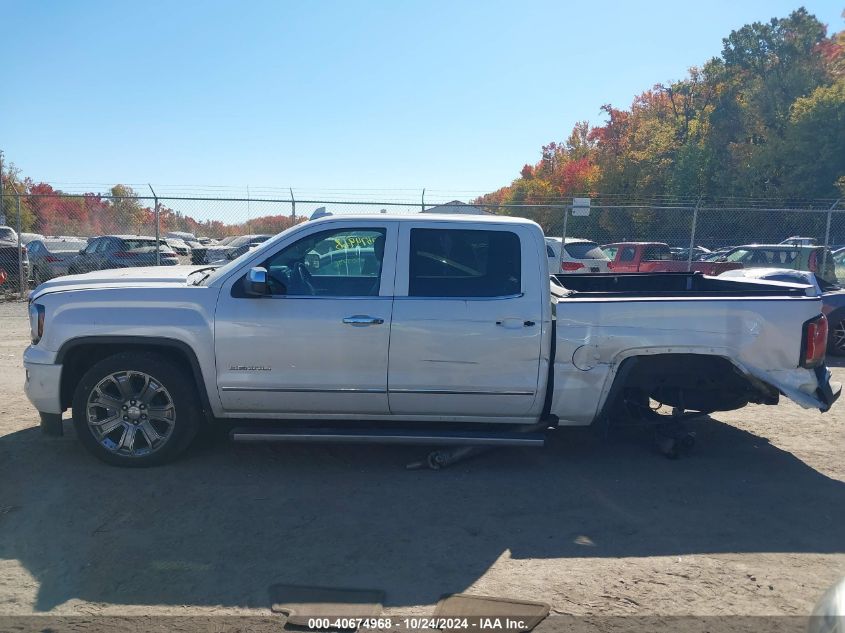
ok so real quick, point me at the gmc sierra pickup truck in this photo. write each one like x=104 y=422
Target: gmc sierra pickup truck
x=440 y=330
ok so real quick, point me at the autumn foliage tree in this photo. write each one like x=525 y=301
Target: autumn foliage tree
x=765 y=119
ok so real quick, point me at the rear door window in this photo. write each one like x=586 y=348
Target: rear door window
x=628 y=254
x=464 y=263
x=656 y=253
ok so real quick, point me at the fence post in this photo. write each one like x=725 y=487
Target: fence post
x=563 y=239
x=2 y=208
x=292 y=206
x=422 y=202
x=21 y=276
x=158 y=226
x=692 y=233
x=827 y=233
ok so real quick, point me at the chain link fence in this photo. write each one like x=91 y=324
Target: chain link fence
x=42 y=235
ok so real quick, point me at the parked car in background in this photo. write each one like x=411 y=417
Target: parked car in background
x=578 y=256
x=215 y=252
x=26 y=238
x=715 y=254
x=179 y=246
x=796 y=240
x=233 y=249
x=8 y=234
x=247 y=242
x=181 y=235
x=833 y=298
x=121 y=251
x=655 y=257
x=682 y=254
x=816 y=259
x=50 y=257
x=839 y=264
x=13 y=260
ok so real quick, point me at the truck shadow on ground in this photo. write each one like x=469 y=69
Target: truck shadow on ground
x=227 y=521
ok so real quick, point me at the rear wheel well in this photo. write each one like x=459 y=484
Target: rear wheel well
x=695 y=382
x=79 y=358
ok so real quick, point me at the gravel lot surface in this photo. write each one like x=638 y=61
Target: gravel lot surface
x=752 y=523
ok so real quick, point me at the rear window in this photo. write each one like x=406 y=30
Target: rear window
x=133 y=243
x=585 y=250
x=656 y=253
x=464 y=263
x=64 y=246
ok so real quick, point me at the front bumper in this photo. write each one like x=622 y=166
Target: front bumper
x=43 y=386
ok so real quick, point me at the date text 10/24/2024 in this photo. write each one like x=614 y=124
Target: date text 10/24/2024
x=478 y=623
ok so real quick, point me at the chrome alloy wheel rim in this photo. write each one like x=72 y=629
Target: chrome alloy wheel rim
x=839 y=336
x=131 y=413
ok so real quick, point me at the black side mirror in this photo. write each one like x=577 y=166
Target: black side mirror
x=255 y=282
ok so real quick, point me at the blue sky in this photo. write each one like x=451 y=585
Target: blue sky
x=452 y=96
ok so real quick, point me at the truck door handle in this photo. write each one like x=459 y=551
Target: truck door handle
x=514 y=323
x=362 y=320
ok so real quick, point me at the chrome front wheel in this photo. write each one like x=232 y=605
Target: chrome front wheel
x=131 y=413
x=137 y=408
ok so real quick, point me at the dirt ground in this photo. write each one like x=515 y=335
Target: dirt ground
x=752 y=523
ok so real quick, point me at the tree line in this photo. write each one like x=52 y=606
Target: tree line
x=764 y=120
x=49 y=211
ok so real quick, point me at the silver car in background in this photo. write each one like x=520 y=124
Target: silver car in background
x=49 y=256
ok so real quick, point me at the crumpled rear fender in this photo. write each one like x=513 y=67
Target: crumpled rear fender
x=809 y=388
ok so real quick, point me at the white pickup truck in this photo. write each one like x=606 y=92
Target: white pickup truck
x=442 y=330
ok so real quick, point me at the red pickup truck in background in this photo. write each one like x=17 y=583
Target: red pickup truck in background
x=655 y=257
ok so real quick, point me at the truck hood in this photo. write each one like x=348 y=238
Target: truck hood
x=141 y=277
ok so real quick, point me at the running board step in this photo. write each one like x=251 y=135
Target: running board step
x=387 y=436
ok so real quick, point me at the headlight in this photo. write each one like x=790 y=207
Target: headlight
x=36 y=322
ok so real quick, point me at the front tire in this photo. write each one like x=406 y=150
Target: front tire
x=136 y=409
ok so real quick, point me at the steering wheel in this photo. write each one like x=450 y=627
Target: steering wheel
x=301 y=277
